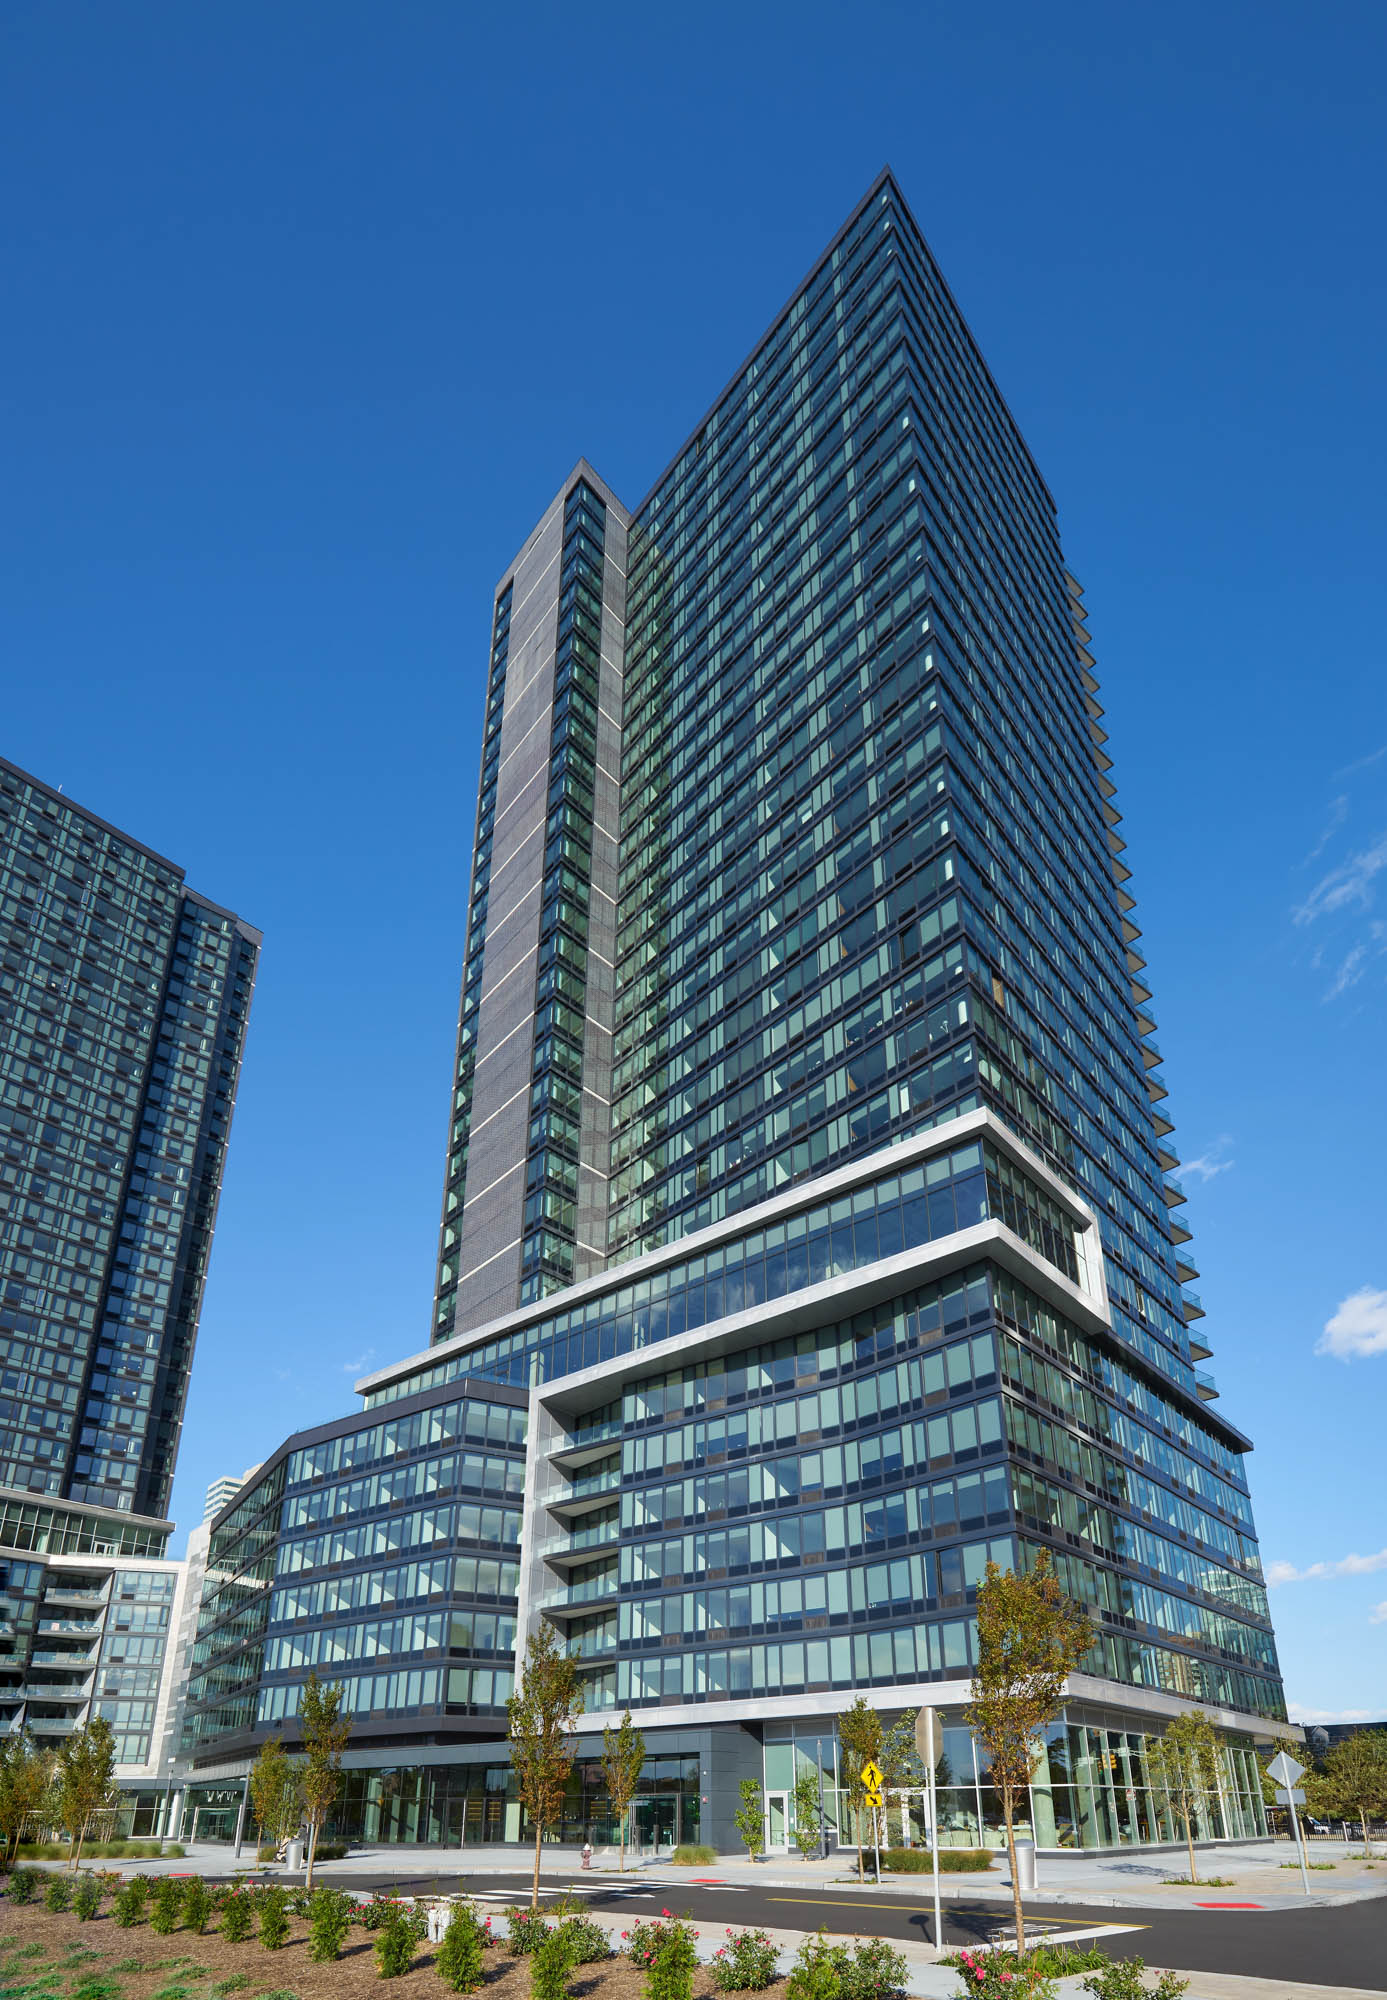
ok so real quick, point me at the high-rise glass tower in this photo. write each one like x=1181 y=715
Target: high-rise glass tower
x=123 y=1004
x=807 y=1161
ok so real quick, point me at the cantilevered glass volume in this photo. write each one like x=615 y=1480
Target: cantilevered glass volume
x=807 y=1167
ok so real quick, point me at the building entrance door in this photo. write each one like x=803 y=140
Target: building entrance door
x=656 y=1824
x=777 y=1822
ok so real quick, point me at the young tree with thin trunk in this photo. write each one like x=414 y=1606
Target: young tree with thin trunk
x=26 y=1772
x=1030 y=1639
x=901 y=1769
x=326 y=1729
x=623 y=1760
x=1184 y=1763
x=84 y=1784
x=807 y=1813
x=750 y=1817
x=1353 y=1781
x=860 y=1736
x=542 y=1748
x=276 y=1794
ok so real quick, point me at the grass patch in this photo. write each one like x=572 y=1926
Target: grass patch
x=952 y=1860
x=1200 y=1882
x=693 y=1854
x=235 y=1982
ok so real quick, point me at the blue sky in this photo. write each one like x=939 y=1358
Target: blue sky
x=311 y=307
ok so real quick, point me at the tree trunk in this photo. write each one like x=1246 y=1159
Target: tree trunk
x=1367 y=1845
x=534 y=1893
x=623 y=1842
x=1189 y=1842
x=1007 y=1811
x=861 y=1870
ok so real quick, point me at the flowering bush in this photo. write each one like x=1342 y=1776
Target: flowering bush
x=528 y=1930
x=644 y=1940
x=585 y=1941
x=1000 y=1975
x=869 y=1969
x=746 y=1963
x=669 y=1973
x=1121 y=1979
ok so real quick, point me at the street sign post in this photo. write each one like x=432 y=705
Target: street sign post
x=870 y=1780
x=929 y=1746
x=1284 y=1771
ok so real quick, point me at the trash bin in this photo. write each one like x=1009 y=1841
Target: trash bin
x=1025 y=1866
x=293 y=1859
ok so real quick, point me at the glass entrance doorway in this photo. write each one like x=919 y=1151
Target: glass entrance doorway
x=777 y=1822
x=655 y=1823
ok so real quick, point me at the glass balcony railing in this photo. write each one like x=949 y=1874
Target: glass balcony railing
x=1206 y=1385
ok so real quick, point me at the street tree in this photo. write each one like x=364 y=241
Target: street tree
x=901 y=1769
x=1352 y=1782
x=542 y=1746
x=623 y=1760
x=84 y=1786
x=1030 y=1639
x=326 y=1730
x=276 y=1794
x=750 y=1817
x=1184 y=1763
x=26 y=1772
x=807 y=1813
x=860 y=1736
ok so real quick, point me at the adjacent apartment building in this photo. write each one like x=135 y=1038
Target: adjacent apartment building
x=808 y=1230
x=123 y=1004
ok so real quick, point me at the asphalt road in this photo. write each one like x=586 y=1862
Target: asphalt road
x=1326 y=1947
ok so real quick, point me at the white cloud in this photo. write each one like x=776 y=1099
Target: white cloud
x=1349 y=883
x=1378 y=1614
x=1349 y=973
x=1357 y=1327
x=1298 y=1712
x=1338 y=813
x=1285 y=1572
x=362 y=1362
x=1212 y=1161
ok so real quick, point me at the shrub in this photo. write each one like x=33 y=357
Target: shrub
x=1001 y=1975
x=669 y=1975
x=643 y=1940
x=235 y=1982
x=23 y=1883
x=871 y=1970
x=197 y=1905
x=747 y=1963
x=1121 y=1979
x=168 y=1902
x=57 y=1893
x=131 y=1898
x=585 y=1941
x=693 y=1855
x=329 y=1920
x=266 y=1851
x=174 y=1850
x=274 y=1918
x=86 y=1897
x=397 y=1942
x=952 y=1860
x=380 y=1911
x=236 y=1917
x=551 y=1961
x=460 y=1962
x=528 y=1930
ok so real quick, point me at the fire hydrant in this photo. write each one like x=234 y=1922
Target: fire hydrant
x=587 y=1854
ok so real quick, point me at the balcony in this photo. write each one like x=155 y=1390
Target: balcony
x=1174 y=1193
x=57 y=1593
x=72 y=1662
x=1185 y=1271
x=1206 y=1386
x=567 y=1549
x=1178 y=1232
x=1200 y=1350
x=1193 y=1306
x=1150 y=1054
x=69 y=1628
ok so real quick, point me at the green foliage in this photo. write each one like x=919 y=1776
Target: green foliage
x=586 y=1941
x=329 y=1921
x=197 y=1905
x=623 y=1760
x=550 y=1964
x=807 y=1813
x=173 y=1849
x=274 y=1918
x=235 y=1982
x=542 y=1748
x=326 y=1730
x=528 y=1931
x=1030 y=1639
x=1121 y=1979
x=669 y=1975
x=750 y=1817
x=168 y=1905
x=86 y=1897
x=1352 y=1783
x=869 y=1969
x=1052 y=1961
x=129 y=1906
x=380 y=1911
x=747 y=1963
x=276 y=1796
x=397 y=1941
x=57 y=1893
x=25 y=1775
x=84 y=1779
x=1184 y=1761
x=1003 y=1975
x=952 y=1860
x=461 y=1961
x=95 y=1986
x=693 y=1854
x=23 y=1883
x=237 y=1917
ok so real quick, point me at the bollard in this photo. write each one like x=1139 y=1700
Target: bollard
x=1025 y=1867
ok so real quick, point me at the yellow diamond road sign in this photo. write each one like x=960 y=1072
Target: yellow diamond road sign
x=871 y=1777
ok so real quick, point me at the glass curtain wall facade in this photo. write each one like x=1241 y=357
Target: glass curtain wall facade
x=123 y=1004
x=808 y=1170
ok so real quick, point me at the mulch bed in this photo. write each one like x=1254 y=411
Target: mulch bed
x=141 y=1965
